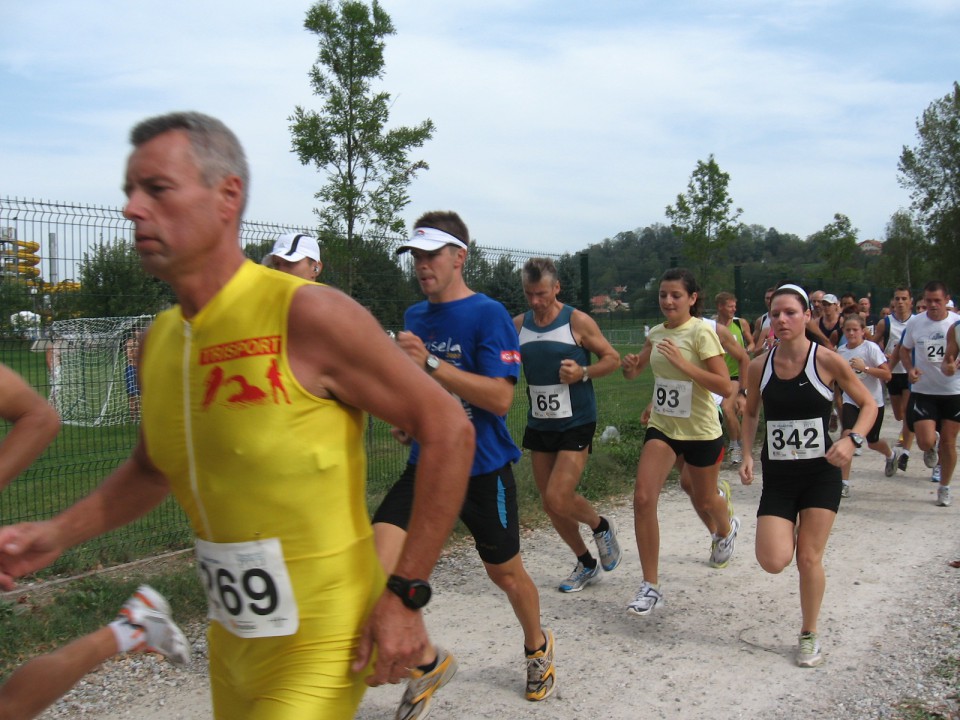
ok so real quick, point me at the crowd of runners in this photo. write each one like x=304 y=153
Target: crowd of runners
x=305 y=613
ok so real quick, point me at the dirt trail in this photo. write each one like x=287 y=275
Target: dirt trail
x=723 y=644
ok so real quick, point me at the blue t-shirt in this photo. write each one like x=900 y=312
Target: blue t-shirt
x=475 y=334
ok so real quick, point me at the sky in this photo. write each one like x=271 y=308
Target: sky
x=559 y=123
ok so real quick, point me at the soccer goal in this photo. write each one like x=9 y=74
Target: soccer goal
x=93 y=369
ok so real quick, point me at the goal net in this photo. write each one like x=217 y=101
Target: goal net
x=92 y=366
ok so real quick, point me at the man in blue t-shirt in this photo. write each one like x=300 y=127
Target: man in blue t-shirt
x=467 y=342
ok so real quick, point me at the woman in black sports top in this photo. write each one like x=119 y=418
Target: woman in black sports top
x=801 y=465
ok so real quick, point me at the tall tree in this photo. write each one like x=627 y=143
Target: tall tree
x=367 y=166
x=836 y=246
x=905 y=252
x=704 y=219
x=931 y=171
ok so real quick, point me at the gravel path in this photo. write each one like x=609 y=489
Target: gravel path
x=721 y=647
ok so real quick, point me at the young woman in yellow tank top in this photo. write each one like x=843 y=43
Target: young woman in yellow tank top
x=687 y=362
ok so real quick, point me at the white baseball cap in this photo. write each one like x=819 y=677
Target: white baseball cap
x=293 y=247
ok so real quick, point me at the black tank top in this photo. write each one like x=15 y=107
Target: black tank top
x=828 y=333
x=797 y=413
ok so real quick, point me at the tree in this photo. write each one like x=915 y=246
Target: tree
x=836 y=246
x=367 y=166
x=114 y=284
x=905 y=252
x=704 y=219
x=931 y=171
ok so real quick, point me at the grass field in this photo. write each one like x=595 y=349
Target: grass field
x=81 y=456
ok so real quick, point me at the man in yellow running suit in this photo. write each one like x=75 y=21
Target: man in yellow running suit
x=254 y=388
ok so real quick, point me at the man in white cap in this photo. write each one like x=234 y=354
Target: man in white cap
x=830 y=324
x=296 y=254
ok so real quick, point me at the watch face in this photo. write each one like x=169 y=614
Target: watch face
x=433 y=362
x=418 y=594
x=414 y=593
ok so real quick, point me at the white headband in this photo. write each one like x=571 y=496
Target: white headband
x=797 y=289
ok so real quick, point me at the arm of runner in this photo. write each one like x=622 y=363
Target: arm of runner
x=840 y=371
x=129 y=492
x=813 y=328
x=633 y=364
x=906 y=359
x=881 y=371
x=338 y=349
x=739 y=352
x=494 y=394
x=715 y=377
x=951 y=353
x=35 y=425
x=750 y=420
x=588 y=334
x=748 y=344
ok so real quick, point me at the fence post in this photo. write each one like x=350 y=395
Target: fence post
x=584 y=281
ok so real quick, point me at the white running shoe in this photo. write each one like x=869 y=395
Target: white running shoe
x=722 y=549
x=943 y=496
x=149 y=614
x=931 y=457
x=936 y=474
x=845 y=490
x=808 y=653
x=736 y=455
x=648 y=597
x=890 y=467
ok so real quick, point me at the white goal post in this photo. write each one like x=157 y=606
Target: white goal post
x=92 y=367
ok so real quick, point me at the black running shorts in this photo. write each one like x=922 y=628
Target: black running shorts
x=576 y=439
x=848 y=418
x=489 y=511
x=785 y=496
x=695 y=453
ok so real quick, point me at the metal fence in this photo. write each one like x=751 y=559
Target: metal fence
x=53 y=238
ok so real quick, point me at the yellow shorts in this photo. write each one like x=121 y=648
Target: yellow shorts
x=304 y=676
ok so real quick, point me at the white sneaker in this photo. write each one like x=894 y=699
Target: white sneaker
x=808 y=652
x=845 y=490
x=890 y=467
x=943 y=496
x=736 y=455
x=931 y=457
x=722 y=549
x=149 y=613
x=936 y=474
x=647 y=598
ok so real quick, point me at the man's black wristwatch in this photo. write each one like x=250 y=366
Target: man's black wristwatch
x=856 y=439
x=414 y=593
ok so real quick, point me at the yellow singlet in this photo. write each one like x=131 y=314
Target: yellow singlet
x=272 y=479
